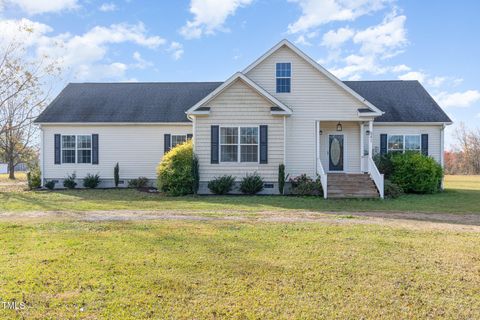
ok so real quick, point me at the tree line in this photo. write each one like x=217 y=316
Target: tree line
x=465 y=157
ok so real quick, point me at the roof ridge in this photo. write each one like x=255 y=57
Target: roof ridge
x=147 y=82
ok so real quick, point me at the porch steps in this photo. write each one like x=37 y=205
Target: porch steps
x=342 y=185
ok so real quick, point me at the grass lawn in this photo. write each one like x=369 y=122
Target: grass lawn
x=462 y=195
x=220 y=269
x=341 y=267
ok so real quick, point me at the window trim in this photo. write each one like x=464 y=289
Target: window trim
x=291 y=72
x=403 y=150
x=239 y=144
x=177 y=135
x=76 y=148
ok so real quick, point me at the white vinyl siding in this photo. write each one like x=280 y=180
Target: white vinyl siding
x=313 y=97
x=239 y=106
x=433 y=131
x=137 y=148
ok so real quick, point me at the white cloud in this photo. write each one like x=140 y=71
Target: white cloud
x=319 y=12
x=140 y=62
x=85 y=56
x=413 y=75
x=333 y=39
x=210 y=16
x=33 y=7
x=384 y=39
x=376 y=43
x=107 y=7
x=176 y=50
x=458 y=99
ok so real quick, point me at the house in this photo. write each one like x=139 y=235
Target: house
x=283 y=108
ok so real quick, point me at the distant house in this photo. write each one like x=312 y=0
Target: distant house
x=283 y=108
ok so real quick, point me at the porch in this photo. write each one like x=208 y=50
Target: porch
x=344 y=160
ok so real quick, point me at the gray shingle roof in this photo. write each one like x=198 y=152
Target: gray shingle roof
x=402 y=101
x=126 y=102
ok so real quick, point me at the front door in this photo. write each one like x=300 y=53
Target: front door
x=335 y=151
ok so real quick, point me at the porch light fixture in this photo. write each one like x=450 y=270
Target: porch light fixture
x=321 y=132
x=339 y=127
x=367 y=132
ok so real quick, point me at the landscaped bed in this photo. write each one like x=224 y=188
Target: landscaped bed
x=462 y=195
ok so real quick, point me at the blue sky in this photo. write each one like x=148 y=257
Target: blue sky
x=208 y=40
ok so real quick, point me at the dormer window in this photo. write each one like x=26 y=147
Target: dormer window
x=284 y=74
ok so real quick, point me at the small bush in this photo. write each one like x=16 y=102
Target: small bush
x=304 y=185
x=251 y=184
x=50 y=185
x=34 y=179
x=416 y=173
x=116 y=175
x=91 y=181
x=384 y=163
x=195 y=174
x=175 y=170
x=282 y=178
x=221 y=185
x=140 y=182
x=392 y=190
x=69 y=181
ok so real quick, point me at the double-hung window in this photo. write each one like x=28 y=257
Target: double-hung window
x=402 y=143
x=76 y=149
x=284 y=76
x=84 y=149
x=178 y=139
x=68 y=149
x=239 y=144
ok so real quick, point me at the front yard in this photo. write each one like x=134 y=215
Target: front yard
x=236 y=257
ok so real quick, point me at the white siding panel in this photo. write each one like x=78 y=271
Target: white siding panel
x=239 y=105
x=313 y=97
x=137 y=148
x=434 y=134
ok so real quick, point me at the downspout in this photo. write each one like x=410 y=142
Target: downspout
x=442 y=153
x=42 y=156
x=285 y=141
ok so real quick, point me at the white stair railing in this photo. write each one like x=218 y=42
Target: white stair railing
x=376 y=176
x=323 y=178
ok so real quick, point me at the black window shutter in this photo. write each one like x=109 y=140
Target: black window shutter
x=383 y=143
x=166 y=142
x=95 y=148
x=57 y=149
x=189 y=136
x=425 y=144
x=263 y=144
x=214 y=144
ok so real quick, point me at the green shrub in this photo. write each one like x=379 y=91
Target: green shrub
x=416 y=173
x=384 y=163
x=50 y=185
x=69 y=181
x=175 y=170
x=195 y=174
x=91 y=181
x=34 y=179
x=392 y=190
x=116 y=175
x=251 y=184
x=221 y=185
x=281 y=178
x=140 y=182
x=304 y=185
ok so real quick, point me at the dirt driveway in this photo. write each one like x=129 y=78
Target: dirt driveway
x=434 y=221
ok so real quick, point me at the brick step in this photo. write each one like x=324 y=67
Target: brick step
x=342 y=186
x=351 y=196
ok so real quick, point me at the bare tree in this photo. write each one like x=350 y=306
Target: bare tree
x=23 y=83
x=466 y=158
